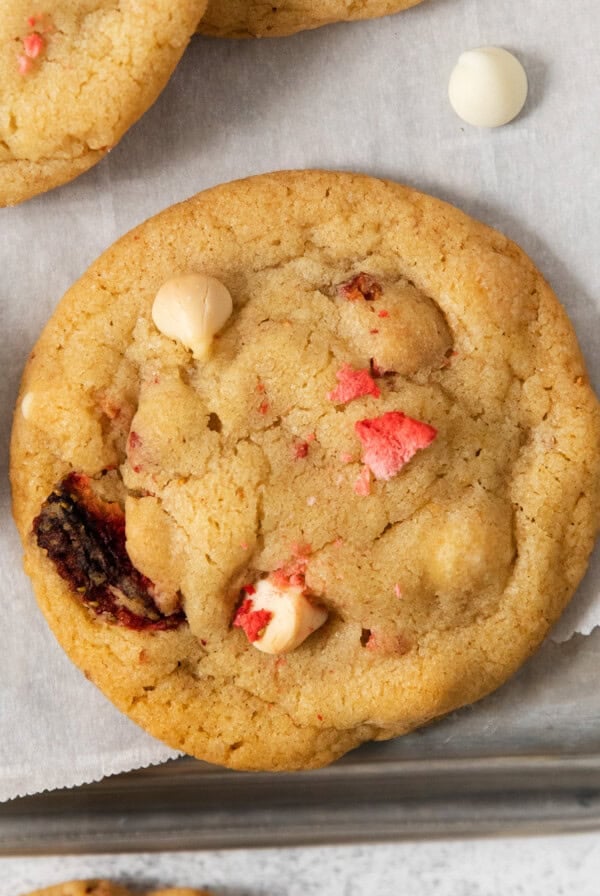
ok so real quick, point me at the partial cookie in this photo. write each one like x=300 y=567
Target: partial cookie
x=74 y=76
x=255 y=18
x=106 y=888
x=308 y=460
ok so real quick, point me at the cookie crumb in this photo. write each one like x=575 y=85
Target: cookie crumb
x=311 y=501
x=383 y=313
x=346 y=457
x=397 y=590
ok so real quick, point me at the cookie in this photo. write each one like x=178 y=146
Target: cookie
x=308 y=460
x=254 y=18
x=74 y=76
x=106 y=888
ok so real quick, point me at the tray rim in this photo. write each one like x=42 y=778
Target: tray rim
x=413 y=799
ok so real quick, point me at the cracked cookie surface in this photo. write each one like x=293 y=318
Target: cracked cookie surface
x=74 y=76
x=107 y=888
x=256 y=18
x=361 y=309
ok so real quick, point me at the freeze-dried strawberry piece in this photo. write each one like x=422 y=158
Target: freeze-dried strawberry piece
x=253 y=622
x=363 y=286
x=134 y=447
x=300 y=450
x=24 y=64
x=362 y=485
x=84 y=536
x=33 y=44
x=293 y=572
x=353 y=384
x=391 y=440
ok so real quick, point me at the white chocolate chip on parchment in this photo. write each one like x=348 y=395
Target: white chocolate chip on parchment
x=488 y=87
x=293 y=617
x=191 y=308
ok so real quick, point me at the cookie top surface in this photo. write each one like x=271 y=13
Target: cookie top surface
x=106 y=888
x=74 y=76
x=441 y=553
x=255 y=18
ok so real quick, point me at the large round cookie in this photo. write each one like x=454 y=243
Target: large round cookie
x=255 y=18
x=370 y=323
x=74 y=76
x=106 y=888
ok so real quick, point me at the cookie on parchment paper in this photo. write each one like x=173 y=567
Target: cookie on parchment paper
x=256 y=18
x=74 y=76
x=307 y=460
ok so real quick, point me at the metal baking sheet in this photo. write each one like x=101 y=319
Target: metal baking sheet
x=515 y=763
x=369 y=97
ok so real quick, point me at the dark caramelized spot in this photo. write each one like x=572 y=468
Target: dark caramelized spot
x=84 y=536
x=363 y=286
x=378 y=372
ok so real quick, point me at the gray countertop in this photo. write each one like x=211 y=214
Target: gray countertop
x=548 y=866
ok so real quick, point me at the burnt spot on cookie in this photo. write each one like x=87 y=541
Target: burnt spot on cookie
x=84 y=536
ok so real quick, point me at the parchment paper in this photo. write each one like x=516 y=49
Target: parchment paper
x=369 y=97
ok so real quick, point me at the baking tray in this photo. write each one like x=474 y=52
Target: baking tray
x=526 y=760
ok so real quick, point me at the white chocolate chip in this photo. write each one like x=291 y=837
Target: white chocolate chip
x=27 y=405
x=293 y=617
x=191 y=308
x=488 y=87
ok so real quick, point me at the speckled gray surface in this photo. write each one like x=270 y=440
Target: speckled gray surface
x=549 y=866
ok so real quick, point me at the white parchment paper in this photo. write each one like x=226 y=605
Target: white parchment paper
x=369 y=97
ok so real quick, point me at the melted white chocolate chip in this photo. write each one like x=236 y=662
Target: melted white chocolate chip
x=191 y=308
x=488 y=87
x=293 y=617
x=27 y=405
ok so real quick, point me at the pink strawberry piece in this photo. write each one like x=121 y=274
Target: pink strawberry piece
x=253 y=622
x=353 y=384
x=24 y=65
x=362 y=485
x=33 y=44
x=391 y=440
x=300 y=450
